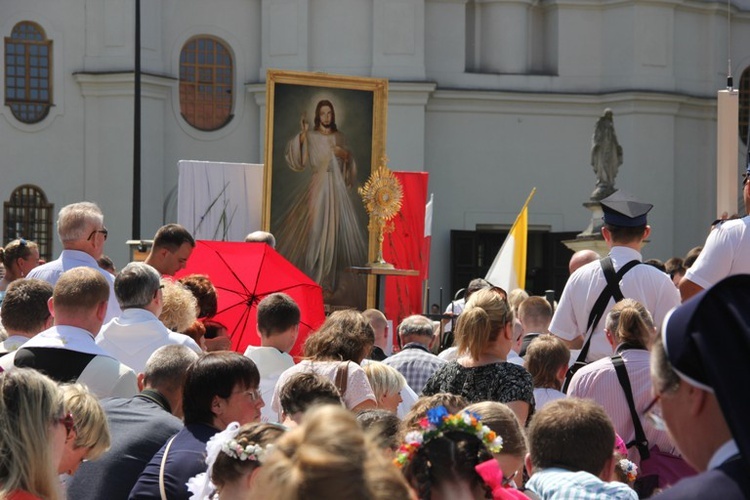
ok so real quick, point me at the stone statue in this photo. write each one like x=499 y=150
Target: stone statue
x=606 y=156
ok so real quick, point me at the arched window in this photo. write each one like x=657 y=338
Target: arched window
x=744 y=104
x=28 y=80
x=206 y=89
x=28 y=215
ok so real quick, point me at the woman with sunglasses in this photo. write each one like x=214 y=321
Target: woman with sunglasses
x=33 y=429
x=484 y=334
x=18 y=258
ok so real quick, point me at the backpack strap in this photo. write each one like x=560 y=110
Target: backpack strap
x=640 y=436
x=612 y=289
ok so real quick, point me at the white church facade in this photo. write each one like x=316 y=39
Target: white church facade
x=491 y=97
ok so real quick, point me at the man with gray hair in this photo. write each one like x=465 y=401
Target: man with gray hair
x=25 y=312
x=139 y=427
x=415 y=361
x=80 y=228
x=137 y=332
x=261 y=237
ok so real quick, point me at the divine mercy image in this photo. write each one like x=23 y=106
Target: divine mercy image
x=320 y=225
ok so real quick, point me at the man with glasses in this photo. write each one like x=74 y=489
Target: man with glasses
x=700 y=374
x=137 y=332
x=726 y=252
x=80 y=228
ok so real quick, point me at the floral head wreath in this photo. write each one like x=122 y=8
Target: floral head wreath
x=437 y=422
x=629 y=468
x=225 y=442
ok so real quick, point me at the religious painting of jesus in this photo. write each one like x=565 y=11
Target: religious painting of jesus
x=324 y=134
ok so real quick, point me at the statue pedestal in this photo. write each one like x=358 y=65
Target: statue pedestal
x=598 y=245
x=591 y=238
x=597 y=220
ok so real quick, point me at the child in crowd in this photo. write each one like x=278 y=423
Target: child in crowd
x=451 y=457
x=303 y=391
x=452 y=402
x=383 y=426
x=547 y=360
x=233 y=456
x=329 y=456
x=571 y=455
x=386 y=383
x=504 y=422
x=278 y=326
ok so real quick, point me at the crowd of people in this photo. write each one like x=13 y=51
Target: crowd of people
x=122 y=385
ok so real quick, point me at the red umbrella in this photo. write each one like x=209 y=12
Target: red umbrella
x=245 y=273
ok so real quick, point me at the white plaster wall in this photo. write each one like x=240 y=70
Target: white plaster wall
x=485 y=139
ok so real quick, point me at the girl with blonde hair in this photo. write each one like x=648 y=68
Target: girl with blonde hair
x=386 y=383
x=485 y=335
x=89 y=438
x=33 y=429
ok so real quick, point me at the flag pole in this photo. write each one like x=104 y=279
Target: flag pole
x=531 y=195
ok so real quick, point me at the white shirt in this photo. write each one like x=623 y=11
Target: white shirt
x=726 y=253
x=598 y=381
x=544 y=395
x=69 y=259
x=271 y=364
x=456 y=307
x=12 y=343
x=104 y=375
x=134 y=336
x=646 y=284
x=724 y=453
x=358 y=388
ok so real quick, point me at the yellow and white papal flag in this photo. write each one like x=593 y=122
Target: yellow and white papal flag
x=508 y=270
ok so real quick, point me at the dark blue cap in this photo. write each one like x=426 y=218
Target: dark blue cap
x=622 y=209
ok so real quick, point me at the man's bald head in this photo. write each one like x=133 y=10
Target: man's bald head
x=581 y=258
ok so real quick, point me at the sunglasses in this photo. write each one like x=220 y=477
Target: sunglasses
x=103 y=231
x=68 y=421
x=652 y=416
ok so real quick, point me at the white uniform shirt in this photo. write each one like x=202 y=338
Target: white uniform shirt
x=646 y=284
x=726 y=252
x=271 y=364
x=134 y=336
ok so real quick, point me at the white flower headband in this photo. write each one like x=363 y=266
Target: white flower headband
x=250 y=452
x=225 y=441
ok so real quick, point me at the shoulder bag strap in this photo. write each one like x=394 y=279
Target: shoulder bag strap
x=640 y=437
x=342 y=377
x=162 y=490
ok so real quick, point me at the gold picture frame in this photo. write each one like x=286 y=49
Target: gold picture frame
x=324 y=135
